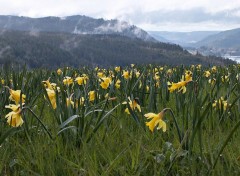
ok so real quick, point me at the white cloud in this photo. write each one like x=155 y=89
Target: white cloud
x=144 y=13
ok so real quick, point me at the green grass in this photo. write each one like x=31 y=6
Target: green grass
x=99 y=138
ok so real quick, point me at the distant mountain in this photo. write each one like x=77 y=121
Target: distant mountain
x=223 y=43
x=184 y=39
x=73 y=24
x=158 y=36
x=55 y=49
x=225 y=39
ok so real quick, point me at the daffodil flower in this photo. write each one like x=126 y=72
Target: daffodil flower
x=181 y=86
x=126 y=74
x=67 y=80
x=15 y=96
x=105 y=82
x=14 y=118
x=81 y=80
x=100 y=74
x=117 y=69
x=117 y=84
x=137 y=73
x=188 y=75
x=91 y=95
x=69 y=102
x=156 y=120
x=212 y=81
x=59 y=71
x=207 y=74
x=214 y=69
x=52 y=97
x=221 y=103
x=50 y=85
x=133 y=104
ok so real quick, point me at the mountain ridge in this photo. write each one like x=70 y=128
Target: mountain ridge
x=54 y=50
x=77 y=24
x=185 y=39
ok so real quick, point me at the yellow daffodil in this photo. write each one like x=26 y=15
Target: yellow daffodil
x=117 y=84
x=82 y=101
x=199 y=66
x=214 y=69
x=133 y=104
x=15 y=96
x=132 y=65
x=207 y=74
x=147 y=88
x=212 y=81
x=107 y=95
x=221 y=103
x=100 y=74
x=188 y=75
x=59 y=71
x=91 y=95
x=77 y=102
x=137 y=74
x=126 y=74
x=225 y=78
x=81 y=80
x=111 y=74
x=67 y=80
x=156 y=120
x=49 y=85
x=52 y=97
x=2 y=81
x=161 y=68
x=14 y=118
x=69 y=102
x=105 y=82
x=117 y=69
x=169 y=71
x=181 y=86
x=156 y=76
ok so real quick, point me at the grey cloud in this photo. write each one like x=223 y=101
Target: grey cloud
x=196 y=15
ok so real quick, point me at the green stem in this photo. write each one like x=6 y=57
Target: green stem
x=49 y=134
x=224 y=145
x=176 y=124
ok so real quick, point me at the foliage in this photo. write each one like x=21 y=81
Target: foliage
x=52 y=50
x=93 y=121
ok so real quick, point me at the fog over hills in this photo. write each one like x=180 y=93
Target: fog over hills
x=184 y=39
x=224 y=39
x=81 y=40
x=73 y=24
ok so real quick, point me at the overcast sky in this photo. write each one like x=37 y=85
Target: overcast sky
x=158 y=15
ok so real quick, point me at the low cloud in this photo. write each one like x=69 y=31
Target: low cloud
x=141 y=13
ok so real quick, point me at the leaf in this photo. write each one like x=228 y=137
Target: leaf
x=70 y=119
x=8 y=133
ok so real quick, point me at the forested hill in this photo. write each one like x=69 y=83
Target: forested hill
x=77 y=24
x=53 y=50
x=225 y=39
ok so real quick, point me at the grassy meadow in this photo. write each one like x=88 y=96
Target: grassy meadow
x=135 y=120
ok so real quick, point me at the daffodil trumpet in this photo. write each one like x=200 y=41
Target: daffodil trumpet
x=16 y=95
x=157 y=120
x=14 y=118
